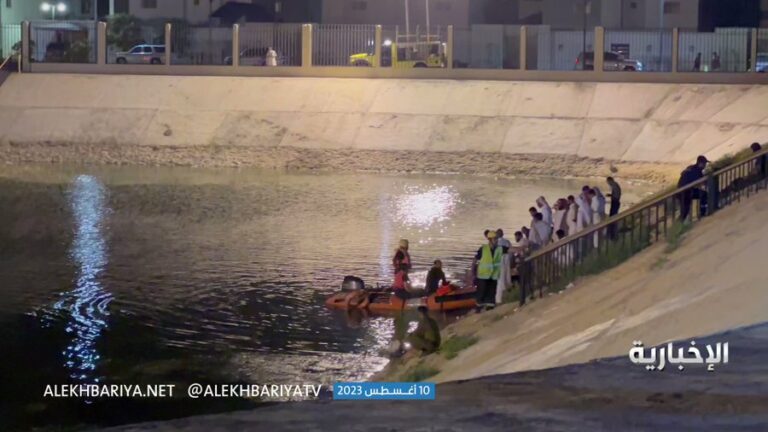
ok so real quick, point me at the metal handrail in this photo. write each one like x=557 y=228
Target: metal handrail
x=591 y=230
x=576 y=241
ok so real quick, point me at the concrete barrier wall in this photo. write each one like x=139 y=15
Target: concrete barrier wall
x=629 y=122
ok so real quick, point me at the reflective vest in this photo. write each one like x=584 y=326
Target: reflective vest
x=489 y=266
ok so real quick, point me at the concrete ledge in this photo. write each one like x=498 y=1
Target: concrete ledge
x=415 y=73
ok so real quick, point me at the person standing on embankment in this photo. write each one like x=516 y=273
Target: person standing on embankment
x=489 y=260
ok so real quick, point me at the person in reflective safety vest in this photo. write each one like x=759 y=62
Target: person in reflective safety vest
x=488 y=259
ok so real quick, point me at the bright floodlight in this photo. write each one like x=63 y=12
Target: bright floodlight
x=61 y=7
x=45 y=7
x=387 y=42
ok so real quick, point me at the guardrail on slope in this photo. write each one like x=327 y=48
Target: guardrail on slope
x=617 y=238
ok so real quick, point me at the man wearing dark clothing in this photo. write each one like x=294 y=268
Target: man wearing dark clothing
x=615 y=196
x=434 y=277
x=691 y=174
x=761 y=164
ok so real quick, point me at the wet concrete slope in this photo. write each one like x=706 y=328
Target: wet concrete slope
x=603 y=395
x=628 y=122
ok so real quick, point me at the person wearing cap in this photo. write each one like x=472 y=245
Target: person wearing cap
x=690 y=175
x=402 y=257
x=489 y=260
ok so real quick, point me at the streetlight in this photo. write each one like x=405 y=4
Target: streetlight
x=53 y=8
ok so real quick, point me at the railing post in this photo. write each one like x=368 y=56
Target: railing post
x=713 y=192
x=525 y=280
x=168 y=44
x=306 y=46
x=675 y=48
x=523 y=48
x=448 y=48
x=599 y=49
x=377 y=48
x=753 y=50
x=235 y=45
x=101 y=43
x=25 y=46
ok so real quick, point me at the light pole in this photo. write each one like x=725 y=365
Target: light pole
x=407 y=20
x=584 y=36
x=661 y=35
x=53 y=8
x=426 y=7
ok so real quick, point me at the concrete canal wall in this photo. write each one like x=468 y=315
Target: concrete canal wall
x=616 y=121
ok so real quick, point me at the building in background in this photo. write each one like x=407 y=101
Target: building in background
x=574 y=14
x=393 y=12
x=227 y=11
x=764 y=13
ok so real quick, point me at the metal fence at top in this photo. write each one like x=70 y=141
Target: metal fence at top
x=148 y=47
x=551 y=49
x=10 y=38
x=63 y=41
x=641 y=50
x=724 y=50
x=417 y=47
x=618 y=238
x=487 y=47
x=761 y=63
x=200 y=45
x=256 y=39
x=335 y=44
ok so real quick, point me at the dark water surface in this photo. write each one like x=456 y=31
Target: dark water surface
x=166 y=275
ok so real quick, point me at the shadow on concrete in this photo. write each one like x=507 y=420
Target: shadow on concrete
x=603 y=395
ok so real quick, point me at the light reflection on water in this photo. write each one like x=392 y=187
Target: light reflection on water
x=424 y=208
x=239 y=262
x=88 y=303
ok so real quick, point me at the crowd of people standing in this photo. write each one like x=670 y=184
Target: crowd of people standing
x=494 y=266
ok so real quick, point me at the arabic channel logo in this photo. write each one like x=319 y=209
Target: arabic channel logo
x=383 y=391
x=657 y=358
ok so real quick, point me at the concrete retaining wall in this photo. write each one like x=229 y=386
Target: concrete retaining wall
x=630 y=122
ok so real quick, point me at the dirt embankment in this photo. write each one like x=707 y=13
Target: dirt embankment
x=713 y=282
x=474 y=163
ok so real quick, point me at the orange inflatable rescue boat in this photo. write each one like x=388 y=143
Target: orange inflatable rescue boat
x=353 y=295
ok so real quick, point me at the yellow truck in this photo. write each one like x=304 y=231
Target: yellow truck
x=425 y=54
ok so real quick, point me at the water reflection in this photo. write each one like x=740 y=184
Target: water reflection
x=423 y=208
x=87 y=304
x=236 y=262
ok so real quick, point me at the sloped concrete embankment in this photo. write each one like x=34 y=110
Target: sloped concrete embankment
x=262 y=121
x=606 y=395
x=714 y=281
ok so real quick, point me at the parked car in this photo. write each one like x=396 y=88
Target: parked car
x=142 y=54
x=612 y=61
x=256 y=57
x=762 y=63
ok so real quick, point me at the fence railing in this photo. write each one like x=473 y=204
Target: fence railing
x=613 y=241
x=334 y=44
x=483 y=48
x=651 y=49
x=63 y=41
x=257 y=38
x=724 y=50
